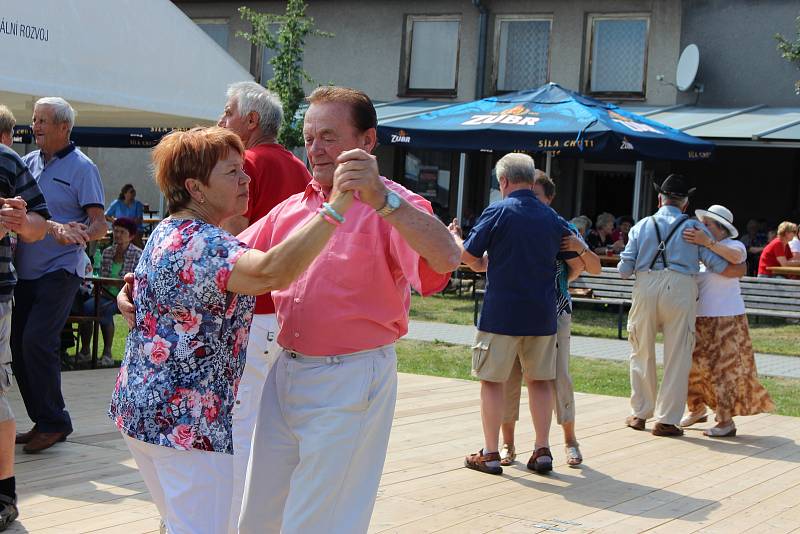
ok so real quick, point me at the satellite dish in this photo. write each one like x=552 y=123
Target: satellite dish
x=687 y=67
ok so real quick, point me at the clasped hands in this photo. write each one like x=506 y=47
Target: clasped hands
x=357 y=170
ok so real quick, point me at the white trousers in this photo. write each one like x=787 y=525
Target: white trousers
x=262 y=350
x=320 y=443
x=664 y=300
x=191 y=489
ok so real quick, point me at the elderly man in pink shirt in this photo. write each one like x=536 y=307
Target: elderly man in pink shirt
x=326 y=411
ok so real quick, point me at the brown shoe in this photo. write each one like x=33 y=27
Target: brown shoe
x=25 y=437
x=478 y=461
x=44 y=440
x=660 y=429
x=636 y=423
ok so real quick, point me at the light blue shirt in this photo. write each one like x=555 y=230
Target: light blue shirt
x=683 y=257
x=118 y=209
x=70 y=183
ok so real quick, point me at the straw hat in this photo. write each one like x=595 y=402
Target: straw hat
x=720 y=214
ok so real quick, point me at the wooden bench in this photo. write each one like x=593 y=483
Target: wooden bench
x=769 y=297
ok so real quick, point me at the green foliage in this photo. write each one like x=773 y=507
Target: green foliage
x=293 y=28
x=790 y=51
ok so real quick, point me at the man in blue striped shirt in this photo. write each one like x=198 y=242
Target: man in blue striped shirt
x=23 y=212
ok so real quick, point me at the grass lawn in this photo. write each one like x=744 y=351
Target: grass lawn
x=588 y=375
x=771 y=336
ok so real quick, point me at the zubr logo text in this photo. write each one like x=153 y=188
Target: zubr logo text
x=501 y=119
x=401 y=137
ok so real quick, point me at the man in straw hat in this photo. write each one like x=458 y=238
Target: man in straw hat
x=664 y=297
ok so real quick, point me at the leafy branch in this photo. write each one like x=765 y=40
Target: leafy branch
x=293 y=28
x=790 y=51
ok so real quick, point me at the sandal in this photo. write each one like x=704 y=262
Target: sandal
x=574 y=457
x=541 y=461
x=478 y=462
x=507 y=454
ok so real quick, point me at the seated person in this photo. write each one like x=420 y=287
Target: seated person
x=126 y=206
x=754 y=241
x=620 y=234
x=600 y=239
x=119 y=258
x=777 y=252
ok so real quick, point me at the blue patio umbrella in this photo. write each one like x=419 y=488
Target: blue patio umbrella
x=549 y=118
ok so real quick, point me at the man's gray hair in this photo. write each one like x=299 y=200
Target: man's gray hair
x=7 y=120
x=62 y=111
x=516 y=168
x=251 y=96
x=673 y=200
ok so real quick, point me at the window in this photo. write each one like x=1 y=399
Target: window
x=428 y=173
x=259 y=58
x=217 y=29
x=431 y=55
x=522 y=52
x=617 y=55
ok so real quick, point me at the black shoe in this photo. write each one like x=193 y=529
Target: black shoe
x=8 y=511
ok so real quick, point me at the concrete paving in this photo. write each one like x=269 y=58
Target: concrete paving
x=593 y=347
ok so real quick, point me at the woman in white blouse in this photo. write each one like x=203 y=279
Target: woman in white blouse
x=723 y=374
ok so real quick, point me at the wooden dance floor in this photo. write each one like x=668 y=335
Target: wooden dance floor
x=630 y=482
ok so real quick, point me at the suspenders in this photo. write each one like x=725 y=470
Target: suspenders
x=662 y=243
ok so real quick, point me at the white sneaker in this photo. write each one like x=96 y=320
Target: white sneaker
x=693 y=418
x=106 y=361
x=83 y=357
x=727 y=431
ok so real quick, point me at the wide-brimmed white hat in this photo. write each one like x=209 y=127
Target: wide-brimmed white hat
x=722 y=215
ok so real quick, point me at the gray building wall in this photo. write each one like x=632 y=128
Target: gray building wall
x=366 y=51
x=739 y=63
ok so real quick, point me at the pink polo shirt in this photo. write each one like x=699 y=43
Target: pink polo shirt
x=356 y=294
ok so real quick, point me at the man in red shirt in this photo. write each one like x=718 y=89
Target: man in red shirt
x=777 y=252
x=255 y=115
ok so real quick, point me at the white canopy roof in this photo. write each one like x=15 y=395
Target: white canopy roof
x=126 y=63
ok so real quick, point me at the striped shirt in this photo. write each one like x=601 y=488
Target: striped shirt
x=15 y=180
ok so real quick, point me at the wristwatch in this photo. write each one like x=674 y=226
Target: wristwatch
x=392 y=202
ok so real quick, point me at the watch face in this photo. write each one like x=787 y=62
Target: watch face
x=393 y=200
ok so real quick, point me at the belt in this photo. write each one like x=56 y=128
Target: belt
x=339 y=358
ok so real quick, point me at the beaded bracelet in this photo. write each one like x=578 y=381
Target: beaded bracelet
x=332 y=212
x=327 y=218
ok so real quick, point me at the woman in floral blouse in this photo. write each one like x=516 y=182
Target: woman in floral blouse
x=193 y=293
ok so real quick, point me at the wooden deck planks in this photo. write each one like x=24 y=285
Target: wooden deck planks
x=631 y=481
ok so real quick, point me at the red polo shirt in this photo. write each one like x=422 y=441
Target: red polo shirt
x=770 y=254
x=275 y=175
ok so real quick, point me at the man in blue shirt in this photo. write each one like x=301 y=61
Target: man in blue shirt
x=47 y=269
x=664 y=297
x=522 y=237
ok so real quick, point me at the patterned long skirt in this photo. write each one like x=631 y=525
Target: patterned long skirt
x=723 y=374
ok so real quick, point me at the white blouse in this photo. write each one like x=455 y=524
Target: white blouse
x=720 y=296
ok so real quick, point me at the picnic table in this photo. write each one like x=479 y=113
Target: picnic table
x=785 y=271
x=609 y=261
x=150 y=223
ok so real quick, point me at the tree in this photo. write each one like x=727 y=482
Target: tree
x=790 y=51
x=293 y=28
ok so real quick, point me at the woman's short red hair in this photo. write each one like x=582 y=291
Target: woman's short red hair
x=190 y=154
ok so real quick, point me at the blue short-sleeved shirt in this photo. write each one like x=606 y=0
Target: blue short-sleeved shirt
x=522 y=237
x=15 y=180
x=118 y=209
x=70 y=183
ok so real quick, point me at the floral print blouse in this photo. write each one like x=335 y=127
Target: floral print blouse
x=185 y=355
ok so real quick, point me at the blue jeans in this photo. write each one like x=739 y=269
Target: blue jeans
x=107 y=309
